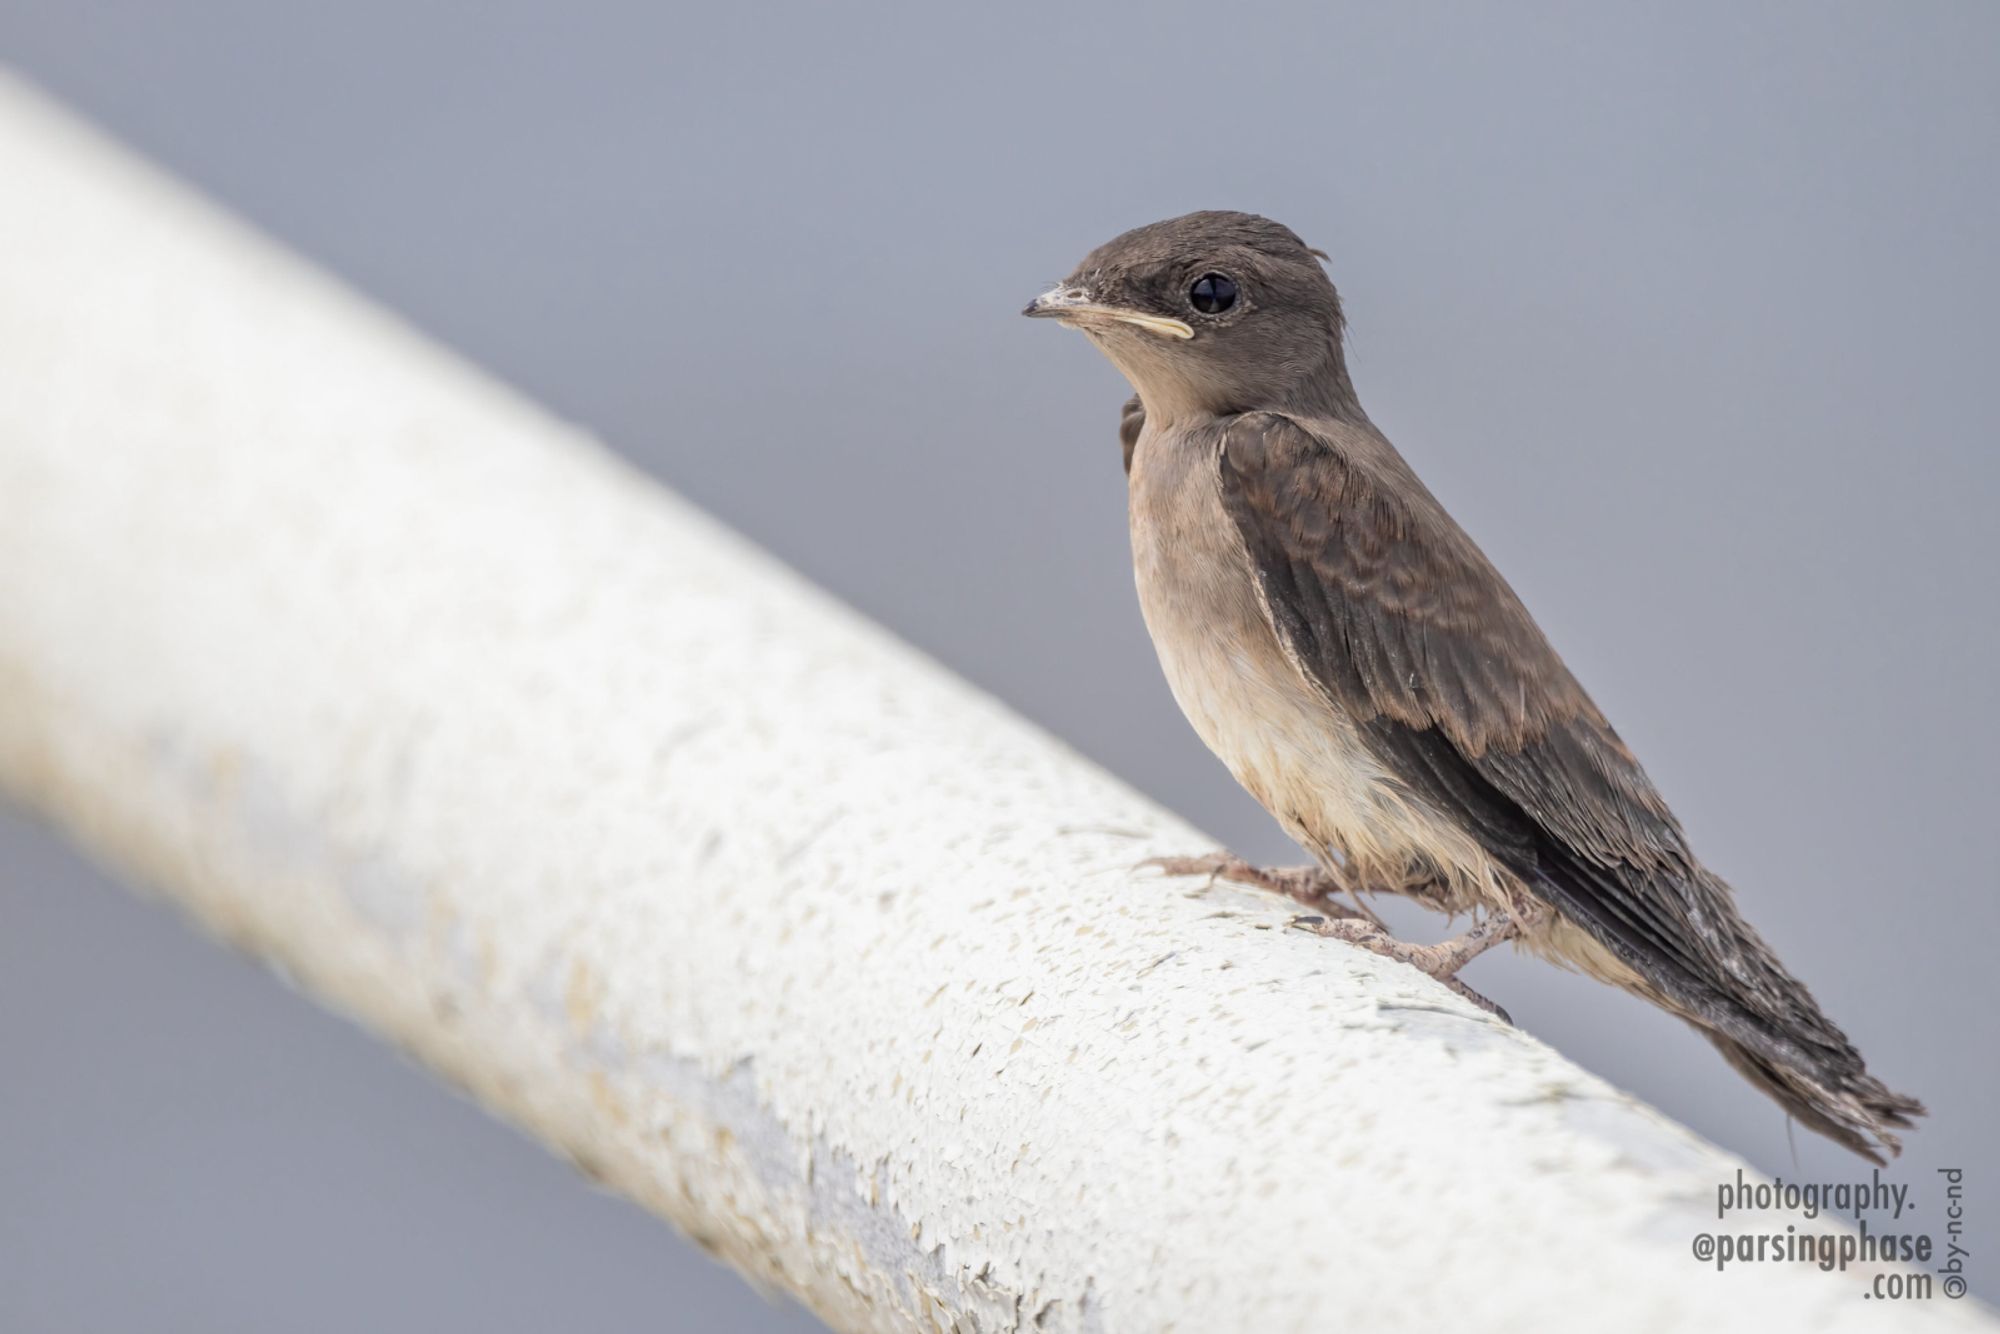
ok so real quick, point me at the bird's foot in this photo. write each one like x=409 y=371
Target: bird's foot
x=1441 y=961
x=1310 y=885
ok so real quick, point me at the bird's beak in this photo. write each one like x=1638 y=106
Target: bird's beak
x=1071 y=305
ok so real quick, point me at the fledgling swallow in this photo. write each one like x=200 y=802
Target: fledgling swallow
x=1363 y=670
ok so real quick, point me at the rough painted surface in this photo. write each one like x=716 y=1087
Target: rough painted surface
x=756 y=914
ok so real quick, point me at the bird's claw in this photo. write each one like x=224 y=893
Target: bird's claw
x=1439 y=962
x=1310 y=885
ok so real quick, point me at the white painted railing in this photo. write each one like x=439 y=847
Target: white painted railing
x=758 y=915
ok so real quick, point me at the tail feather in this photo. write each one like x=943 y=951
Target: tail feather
x=1858 y=1112
x=1717 y=973
x=1812 y=1070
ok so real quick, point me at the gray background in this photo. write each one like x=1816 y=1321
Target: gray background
x=1686 y=311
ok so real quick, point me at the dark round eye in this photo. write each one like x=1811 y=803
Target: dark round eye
x=1212 y=293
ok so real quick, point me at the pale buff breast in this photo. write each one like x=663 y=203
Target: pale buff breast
x=1293 y=751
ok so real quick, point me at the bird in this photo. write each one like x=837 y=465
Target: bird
x=1364 y=671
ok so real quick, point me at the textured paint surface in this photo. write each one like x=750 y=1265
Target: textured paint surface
x=747 y=908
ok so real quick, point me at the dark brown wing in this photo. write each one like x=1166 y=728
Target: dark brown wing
x=1131 y=421
x=1385 y=604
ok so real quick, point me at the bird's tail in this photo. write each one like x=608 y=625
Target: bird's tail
x=1770 y=1028
x=1857 y=1110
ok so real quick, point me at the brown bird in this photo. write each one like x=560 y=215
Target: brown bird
x=1364 y=671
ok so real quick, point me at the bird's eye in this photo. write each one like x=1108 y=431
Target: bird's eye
x=1212 y=293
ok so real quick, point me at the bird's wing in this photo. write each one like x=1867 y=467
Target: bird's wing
x=1384 y=604
x=1131 y=421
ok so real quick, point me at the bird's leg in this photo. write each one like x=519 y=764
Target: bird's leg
x=1310 y=885
x=1440 y=961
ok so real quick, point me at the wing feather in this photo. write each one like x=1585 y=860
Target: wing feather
x=1384 y=604
x=1131 y=421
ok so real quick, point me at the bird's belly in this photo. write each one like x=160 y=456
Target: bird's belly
x=1298 y=755
x=1305 y=763
x=1292 y=752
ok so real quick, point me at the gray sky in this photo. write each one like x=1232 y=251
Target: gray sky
x=1685 y=311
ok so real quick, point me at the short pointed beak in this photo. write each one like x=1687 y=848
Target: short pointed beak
x=1073 y=305
x=1057 y=302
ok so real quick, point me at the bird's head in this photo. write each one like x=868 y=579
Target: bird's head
x=1209 y=312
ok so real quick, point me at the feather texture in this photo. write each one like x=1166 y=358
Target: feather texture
x=1387 y=608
